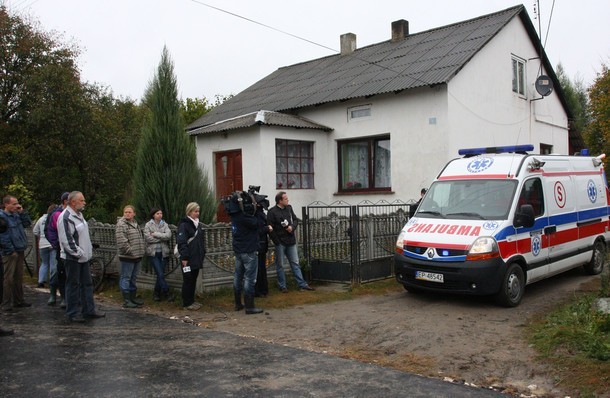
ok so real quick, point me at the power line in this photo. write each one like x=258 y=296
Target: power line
x=264 y=25
x=308 y=41
x=548 y=27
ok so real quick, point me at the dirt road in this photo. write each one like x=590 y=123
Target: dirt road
x=464 y=339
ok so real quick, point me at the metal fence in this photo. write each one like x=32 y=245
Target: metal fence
x=352 y=243
x=337 y=243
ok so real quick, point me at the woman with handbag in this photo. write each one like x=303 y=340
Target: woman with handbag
x=191 y=247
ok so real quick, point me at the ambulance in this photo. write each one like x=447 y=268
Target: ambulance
x=497 y=219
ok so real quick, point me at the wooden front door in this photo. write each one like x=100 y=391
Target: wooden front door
x=229 y=178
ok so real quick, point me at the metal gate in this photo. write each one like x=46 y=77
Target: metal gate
x=352 y=244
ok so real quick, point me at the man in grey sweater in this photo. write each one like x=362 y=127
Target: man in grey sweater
x=76 y=251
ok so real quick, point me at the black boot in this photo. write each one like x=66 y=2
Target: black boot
x=168 y=295
x=137 y=301
x=238 y=305
x=250 y=308
x=128 y=303
x=52 y=296
x=157 y=294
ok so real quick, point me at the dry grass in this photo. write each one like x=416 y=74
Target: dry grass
x=407 y=362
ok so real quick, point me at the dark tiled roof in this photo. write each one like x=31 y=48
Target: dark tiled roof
x=421 y=59
x=261 y=117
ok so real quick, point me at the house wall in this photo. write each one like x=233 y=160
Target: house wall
x=245 y=139
x=416 y=123
x=484 y=111
x=258 y=158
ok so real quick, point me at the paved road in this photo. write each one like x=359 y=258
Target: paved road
x=129 y=354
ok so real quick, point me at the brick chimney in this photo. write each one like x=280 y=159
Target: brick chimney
x=348 y=43
x=400 y=29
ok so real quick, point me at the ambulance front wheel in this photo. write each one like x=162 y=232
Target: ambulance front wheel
x=412 y=289
x=512 y=288
x=596 y=265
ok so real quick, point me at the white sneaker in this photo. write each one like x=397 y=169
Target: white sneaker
x=193 y=307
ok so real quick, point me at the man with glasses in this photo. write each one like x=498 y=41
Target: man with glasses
x=283 y=224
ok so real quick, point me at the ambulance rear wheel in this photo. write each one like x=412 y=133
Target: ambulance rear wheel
x=596 y=265
x=512 y=288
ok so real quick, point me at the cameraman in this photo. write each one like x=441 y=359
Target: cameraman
x=245 y=227
x=284 y=222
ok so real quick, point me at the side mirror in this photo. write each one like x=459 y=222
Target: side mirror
x=524 y=217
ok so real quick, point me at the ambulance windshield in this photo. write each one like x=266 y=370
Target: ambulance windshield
x=468 y=199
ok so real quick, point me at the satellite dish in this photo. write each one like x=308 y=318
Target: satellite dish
x=544 y=85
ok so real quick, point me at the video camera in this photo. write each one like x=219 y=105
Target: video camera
x=246 y=202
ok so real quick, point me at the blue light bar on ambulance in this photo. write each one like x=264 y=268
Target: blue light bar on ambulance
x=496 y=149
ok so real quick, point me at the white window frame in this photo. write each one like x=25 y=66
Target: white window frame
x=519 y=74
x=359 y=113
x=294 y=170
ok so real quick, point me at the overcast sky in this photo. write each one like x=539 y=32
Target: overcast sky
x=218 y=53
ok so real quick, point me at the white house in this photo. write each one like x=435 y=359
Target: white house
x=379 y=122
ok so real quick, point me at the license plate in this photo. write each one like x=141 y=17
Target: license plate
x=429 y=276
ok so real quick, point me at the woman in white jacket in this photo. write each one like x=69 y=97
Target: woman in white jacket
x=157 y=235
x=46 y=251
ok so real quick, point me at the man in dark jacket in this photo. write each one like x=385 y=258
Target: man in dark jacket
x=261 y=288
x=245 y=228
x=283 y=224
x=13 y=243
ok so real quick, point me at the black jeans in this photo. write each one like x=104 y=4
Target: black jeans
x=189 y=283
x=61 y=275
x=262 y=286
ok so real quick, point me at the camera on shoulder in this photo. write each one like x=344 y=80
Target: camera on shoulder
x=247 y=202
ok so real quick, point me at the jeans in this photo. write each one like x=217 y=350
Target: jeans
x=292 y=255
x=58 y=274
x=159 y=267
x=48 y=261
x=129 y=274
x=246 y=267
x=79 y=288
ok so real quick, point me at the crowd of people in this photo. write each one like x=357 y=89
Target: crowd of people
x=66 y=249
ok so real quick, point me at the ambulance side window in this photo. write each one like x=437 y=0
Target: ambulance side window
x=531 y=194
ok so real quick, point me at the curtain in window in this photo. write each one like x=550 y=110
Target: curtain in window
x=355 y=158
x=382 y=164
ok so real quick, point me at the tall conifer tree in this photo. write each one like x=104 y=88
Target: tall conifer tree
x=167 y=174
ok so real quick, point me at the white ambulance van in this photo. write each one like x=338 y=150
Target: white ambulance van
x=497 y=219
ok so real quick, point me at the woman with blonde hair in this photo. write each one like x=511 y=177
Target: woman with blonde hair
x=191 y=246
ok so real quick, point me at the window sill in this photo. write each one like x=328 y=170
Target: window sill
x=361 y=192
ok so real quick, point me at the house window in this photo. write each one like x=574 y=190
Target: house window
x=357 y=113
x=518 y=76
x=365 y=164
x=293 y=164
x=546 y=149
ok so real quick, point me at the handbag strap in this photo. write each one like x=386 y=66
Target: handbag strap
x=193 y=237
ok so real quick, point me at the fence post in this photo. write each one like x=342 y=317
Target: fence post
x=305 y=217
x=354 y=246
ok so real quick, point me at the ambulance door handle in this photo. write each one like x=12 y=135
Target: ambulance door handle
x=550 y=230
